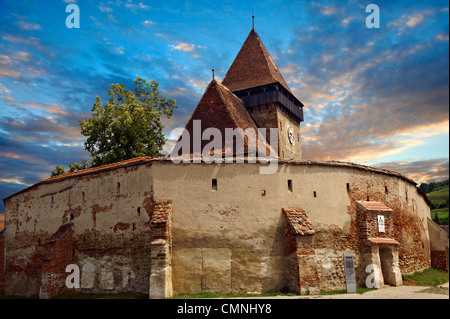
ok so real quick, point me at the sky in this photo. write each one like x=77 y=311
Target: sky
x=373 y=96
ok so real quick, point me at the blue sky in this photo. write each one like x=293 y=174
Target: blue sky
x=377 y=97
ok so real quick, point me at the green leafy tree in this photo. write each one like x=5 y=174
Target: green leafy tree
x=58 y=171
x=129 y=125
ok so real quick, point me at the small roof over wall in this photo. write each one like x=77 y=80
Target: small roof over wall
x=299 y=221
x=374 y=206
x=161 y=212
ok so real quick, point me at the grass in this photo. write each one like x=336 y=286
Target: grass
x=427 y=277
x=439 y=195
x=359 y=290
x=204 y=294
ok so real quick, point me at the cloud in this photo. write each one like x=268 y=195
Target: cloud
x=183 y=46
x=427 y=171
x=130 y=5
x=28 y=26
x=414 y=20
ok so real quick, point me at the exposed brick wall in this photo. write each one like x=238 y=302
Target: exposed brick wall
x=2 y=263
x=439 y=260
x=59 y=254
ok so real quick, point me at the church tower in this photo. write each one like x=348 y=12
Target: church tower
x=256 y=80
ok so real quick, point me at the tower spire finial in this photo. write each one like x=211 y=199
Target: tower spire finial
x=253 y=19
x=213 y=72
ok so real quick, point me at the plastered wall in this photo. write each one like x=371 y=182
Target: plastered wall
x=227 y=239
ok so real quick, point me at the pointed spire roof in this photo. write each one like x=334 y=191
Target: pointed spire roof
x=252 y=67
x=220 y=108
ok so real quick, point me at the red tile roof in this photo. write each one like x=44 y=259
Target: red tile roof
x=252 y=67
x=299 y=221
x=59 y=233
x=161 y=211
x=219 y=108
x=384 y=241
x=374 y=206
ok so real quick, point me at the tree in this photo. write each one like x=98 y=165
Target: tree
x=128 y=125
x=58 y=171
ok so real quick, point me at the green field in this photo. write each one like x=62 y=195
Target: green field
x=440 y=196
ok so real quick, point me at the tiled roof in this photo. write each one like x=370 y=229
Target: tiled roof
x=219 y=108
x=299 y=221
x=252 y=67
x=384 y=241
x=374 y=206
x=130 y=162
x=161 y=211
x=59 y=233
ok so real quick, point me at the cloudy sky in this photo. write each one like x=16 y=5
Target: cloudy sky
x=376 y=97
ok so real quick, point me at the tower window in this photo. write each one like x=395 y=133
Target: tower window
x=290 y=185
x=214 y=184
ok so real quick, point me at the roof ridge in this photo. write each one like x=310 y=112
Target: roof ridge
x=267 y=56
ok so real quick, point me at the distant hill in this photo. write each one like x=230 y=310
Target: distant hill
x=438 y=195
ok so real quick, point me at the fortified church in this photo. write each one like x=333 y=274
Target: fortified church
x=153 y=226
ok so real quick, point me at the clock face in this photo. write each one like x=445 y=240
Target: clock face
x=291 y=135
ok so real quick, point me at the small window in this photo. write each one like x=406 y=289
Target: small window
x=263 y=193
x=71 y=216
x=386 y=191
x=348 y=187
x=290 y=185
x=139 y=211
x=82 y=195
x=214 y=184
x=315 y=194
x=118 y=188
x=368 y=198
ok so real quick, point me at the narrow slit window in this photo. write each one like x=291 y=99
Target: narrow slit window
x=348 y=187
x=290 y=185
x=214 y=184
x=118 y=188
x=315 y=194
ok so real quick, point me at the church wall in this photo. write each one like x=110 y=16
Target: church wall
x=235 y=234
x=111 y=230
x=227 y=236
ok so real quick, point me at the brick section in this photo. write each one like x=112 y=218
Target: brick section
x=59 y=254
x=439 y=260
x=161 y=250
x=2 y=262
x=303 y=276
